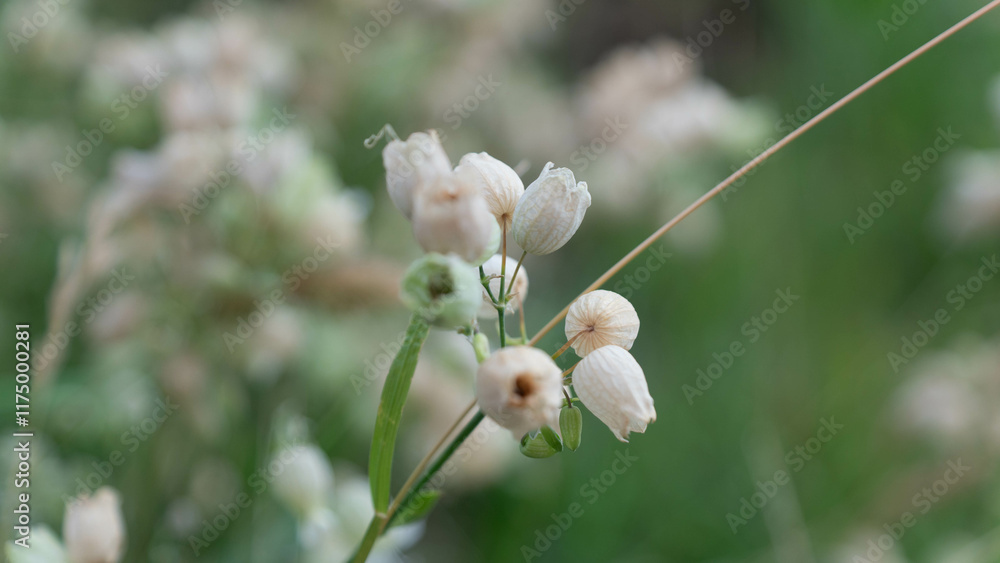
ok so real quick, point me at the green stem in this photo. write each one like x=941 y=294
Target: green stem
x=439 y=462
x=516 y=270
x=486 y=285
x=365 y=549
x=503 y=331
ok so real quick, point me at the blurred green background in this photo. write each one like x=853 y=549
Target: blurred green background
x=826 y=358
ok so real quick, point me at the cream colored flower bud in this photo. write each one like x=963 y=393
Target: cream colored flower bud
x=550 y=211
x=601 y=318
x=306 y=481
x=611 y=384
x=451 y=217
x=520 y=388
x=408 y=164
x=500 y=185
x=93 y=529
x=519 y=292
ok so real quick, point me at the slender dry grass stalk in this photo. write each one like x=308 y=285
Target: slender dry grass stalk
x=764 y=156
x=404 y=493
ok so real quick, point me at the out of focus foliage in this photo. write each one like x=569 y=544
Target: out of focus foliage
x=209 y=263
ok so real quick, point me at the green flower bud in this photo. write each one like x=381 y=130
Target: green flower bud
x=481 y=345
x=571 y=426
x=537 y=447
x=444 y=290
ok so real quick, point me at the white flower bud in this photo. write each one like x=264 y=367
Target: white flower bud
x=306 y=481
x=611 y=384
x=601 y=318
x=519 y=292
x=450 y=216
x=520 y=388
x=550 y=211
x=93 y=529
x=500 y=185
x=444 y=290
x=408 y=164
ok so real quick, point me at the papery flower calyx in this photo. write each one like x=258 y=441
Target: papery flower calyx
x=520 y=388
x=601 y=318
x=611 y=384
x=409 y=164
x=550 y=211
x=500 y=185
x=451 y=216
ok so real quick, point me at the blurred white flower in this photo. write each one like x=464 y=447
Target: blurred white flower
x=419 y=160
x=93 y=528
x=274 y=345
x=305 y=481
x=971 y=204
x=451 y=217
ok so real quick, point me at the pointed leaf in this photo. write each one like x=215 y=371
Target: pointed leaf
x=390 y=409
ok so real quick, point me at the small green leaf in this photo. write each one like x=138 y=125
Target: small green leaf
x=553 y=439
x=390 y=409
x=536 y=447
x=419 y=506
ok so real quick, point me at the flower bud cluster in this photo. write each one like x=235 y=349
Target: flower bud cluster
x=467 y=211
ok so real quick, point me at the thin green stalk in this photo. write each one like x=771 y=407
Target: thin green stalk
x=440 y=461
x=510 y=286
x=368 y=542
x=501 y=304
x=486 y=285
